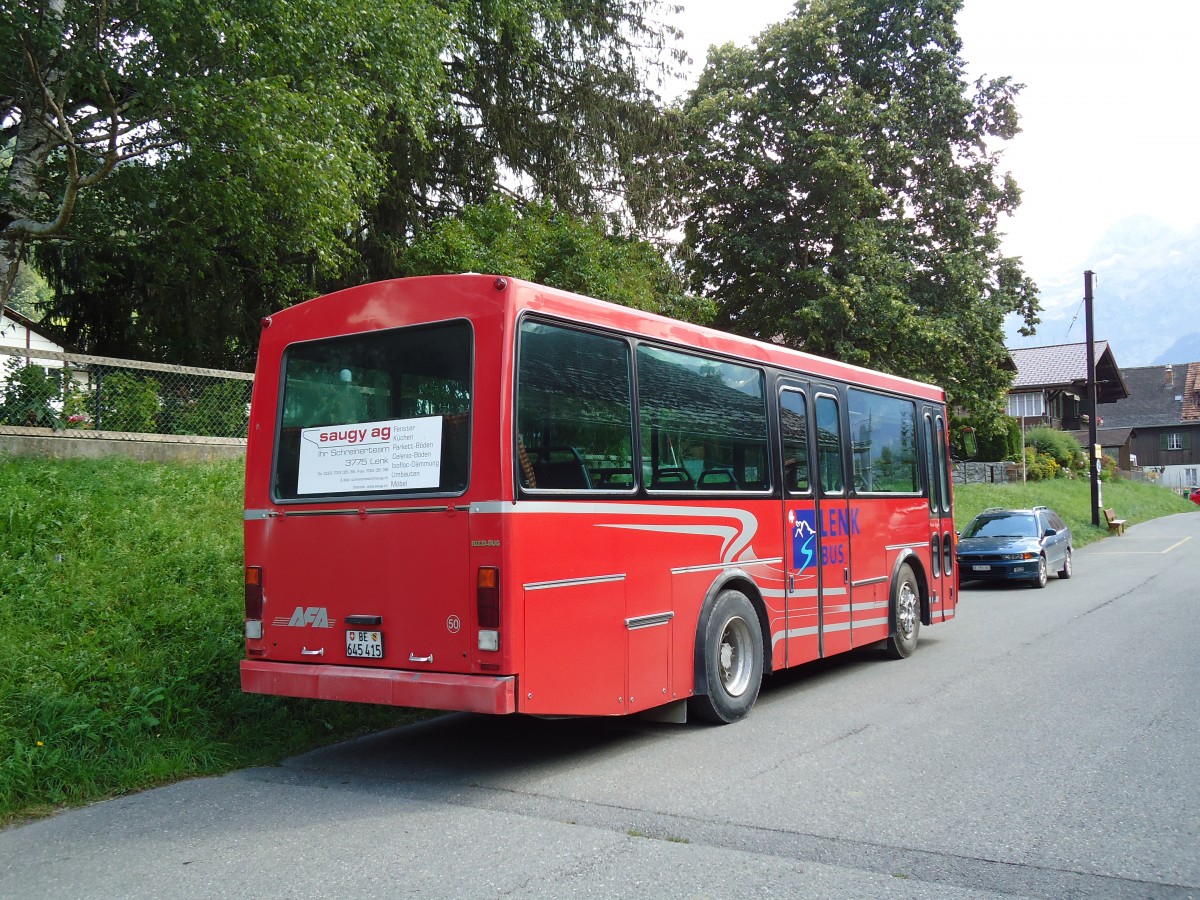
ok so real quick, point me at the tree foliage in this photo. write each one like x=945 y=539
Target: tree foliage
x=31 y=294
x=267 y=150
x=845 y=200
x=539 y=244
x=546 y=100
x=268 y=101
x=997 y=437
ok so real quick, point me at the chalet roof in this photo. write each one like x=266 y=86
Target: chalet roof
x=1158 y=395
x=27 y=323
x=1107 y=437
x=1064 y=367
x=48 y=333
x=1191 y=393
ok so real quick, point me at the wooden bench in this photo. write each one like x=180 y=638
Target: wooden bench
x=1115 y=525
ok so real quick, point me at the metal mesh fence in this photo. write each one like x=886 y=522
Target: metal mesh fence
x=40 y=388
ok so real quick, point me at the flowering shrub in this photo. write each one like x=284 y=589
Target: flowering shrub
x=1040 y=466
x=1056 y=447
x=30 y=395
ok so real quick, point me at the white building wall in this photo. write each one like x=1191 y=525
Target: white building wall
x=14 y=334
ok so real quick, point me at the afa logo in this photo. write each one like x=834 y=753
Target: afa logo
x=803 y=525
x=316 y=616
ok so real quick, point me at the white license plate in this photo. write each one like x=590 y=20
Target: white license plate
x=364 y=644
x=981 y=568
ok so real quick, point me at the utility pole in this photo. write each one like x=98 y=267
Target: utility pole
x=1093 y=439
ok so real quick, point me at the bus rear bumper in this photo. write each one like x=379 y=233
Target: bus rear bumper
x=426 y=690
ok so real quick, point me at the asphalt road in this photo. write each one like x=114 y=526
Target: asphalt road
x=1044 y=744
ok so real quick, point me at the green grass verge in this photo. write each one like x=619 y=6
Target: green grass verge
x=1071 y=498
x=120 y=635
x=121 y=617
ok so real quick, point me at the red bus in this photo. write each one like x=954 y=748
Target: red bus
x=475 y=493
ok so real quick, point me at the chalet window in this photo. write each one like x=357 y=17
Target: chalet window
x=1027 y=405
x=1175 y=441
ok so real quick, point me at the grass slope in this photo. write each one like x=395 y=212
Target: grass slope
x=120 y=635
x=1071 y=498
x=121 y=620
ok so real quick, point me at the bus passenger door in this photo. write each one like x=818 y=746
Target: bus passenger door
x=816 y=549
x=942 y=583
x=834 y=522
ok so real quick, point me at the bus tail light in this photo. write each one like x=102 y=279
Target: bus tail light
x=487 y=607
x=254 y=602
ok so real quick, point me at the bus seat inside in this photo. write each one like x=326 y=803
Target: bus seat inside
x=719 y=479
x=560 y=468
x=673 y=478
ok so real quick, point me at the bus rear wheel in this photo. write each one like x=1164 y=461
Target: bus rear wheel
x=905 y=615
x=733 y=660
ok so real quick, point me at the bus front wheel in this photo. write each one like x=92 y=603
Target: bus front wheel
x=733 y=660
x=905 y=614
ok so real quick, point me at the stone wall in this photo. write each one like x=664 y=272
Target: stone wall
x=72 y=444
x=986 y=472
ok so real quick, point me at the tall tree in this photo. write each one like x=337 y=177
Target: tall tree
x=273 y=99
x=845 y=199
x=539 y=244
x=547 y=99
x=349 y=156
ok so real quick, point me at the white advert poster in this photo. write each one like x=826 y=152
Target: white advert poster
x=397 y=455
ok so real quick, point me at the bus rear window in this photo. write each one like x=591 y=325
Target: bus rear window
x=376 y=414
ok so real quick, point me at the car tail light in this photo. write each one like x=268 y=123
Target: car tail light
x=487 y=607
x=254 y=602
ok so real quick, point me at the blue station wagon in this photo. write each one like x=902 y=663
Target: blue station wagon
x=1015 y=545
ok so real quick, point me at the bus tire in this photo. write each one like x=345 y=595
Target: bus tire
x=905 y=614
x=733 y=660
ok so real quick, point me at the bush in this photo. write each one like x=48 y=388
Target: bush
x=1040 y=466
x=1108 y=468
x=1059 y=446
x=28 y=392
x=127 y=402
x=220 y=410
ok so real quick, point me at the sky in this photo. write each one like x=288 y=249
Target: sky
x=1110 y=128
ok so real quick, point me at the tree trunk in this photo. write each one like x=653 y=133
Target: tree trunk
x=34 y=143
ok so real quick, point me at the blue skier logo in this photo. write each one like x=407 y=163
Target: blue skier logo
x=804 y=540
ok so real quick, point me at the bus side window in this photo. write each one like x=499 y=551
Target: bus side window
x=793 y=420
x=703 y=422
x=885 y=443
x=829 y=445
x=574 y=410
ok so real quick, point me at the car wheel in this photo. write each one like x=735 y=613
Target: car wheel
x=1065 y=571
x=906 y=615
x=1043 y=573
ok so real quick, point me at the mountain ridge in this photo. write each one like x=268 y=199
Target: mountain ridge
x=1146 y=294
